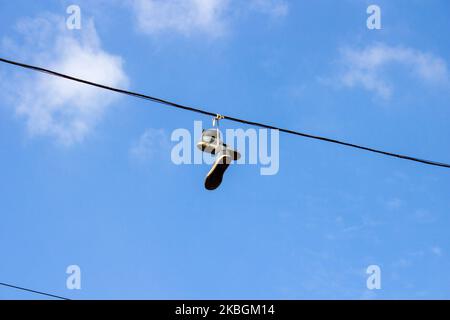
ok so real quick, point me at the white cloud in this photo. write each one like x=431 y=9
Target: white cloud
x=151 y=143
x=206 y=17
x=52 y=106
x=367 y=67
x=182 y=16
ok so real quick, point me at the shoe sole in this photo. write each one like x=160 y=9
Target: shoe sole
x=215 y=175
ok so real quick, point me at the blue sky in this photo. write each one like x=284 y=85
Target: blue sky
x=74 y=192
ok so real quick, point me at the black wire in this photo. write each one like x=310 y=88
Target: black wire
x=33 y=291
x=208 y=113
x=130 y=93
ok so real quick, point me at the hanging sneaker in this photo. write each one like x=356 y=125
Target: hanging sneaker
x=215 y=175
x=210 y=144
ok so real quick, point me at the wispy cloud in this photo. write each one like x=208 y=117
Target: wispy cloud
x=205 y=17
x=437 y=251
x=181 y=16
x=274 y=8
x=368 y=67
x=54 y=107
x=151 y=143
x=394 y=203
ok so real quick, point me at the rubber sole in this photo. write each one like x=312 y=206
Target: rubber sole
x=215 y=175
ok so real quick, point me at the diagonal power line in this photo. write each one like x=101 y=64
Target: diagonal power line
x=33 y=291
x=208 y=113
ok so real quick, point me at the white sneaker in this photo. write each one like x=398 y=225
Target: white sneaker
x=210 y=145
